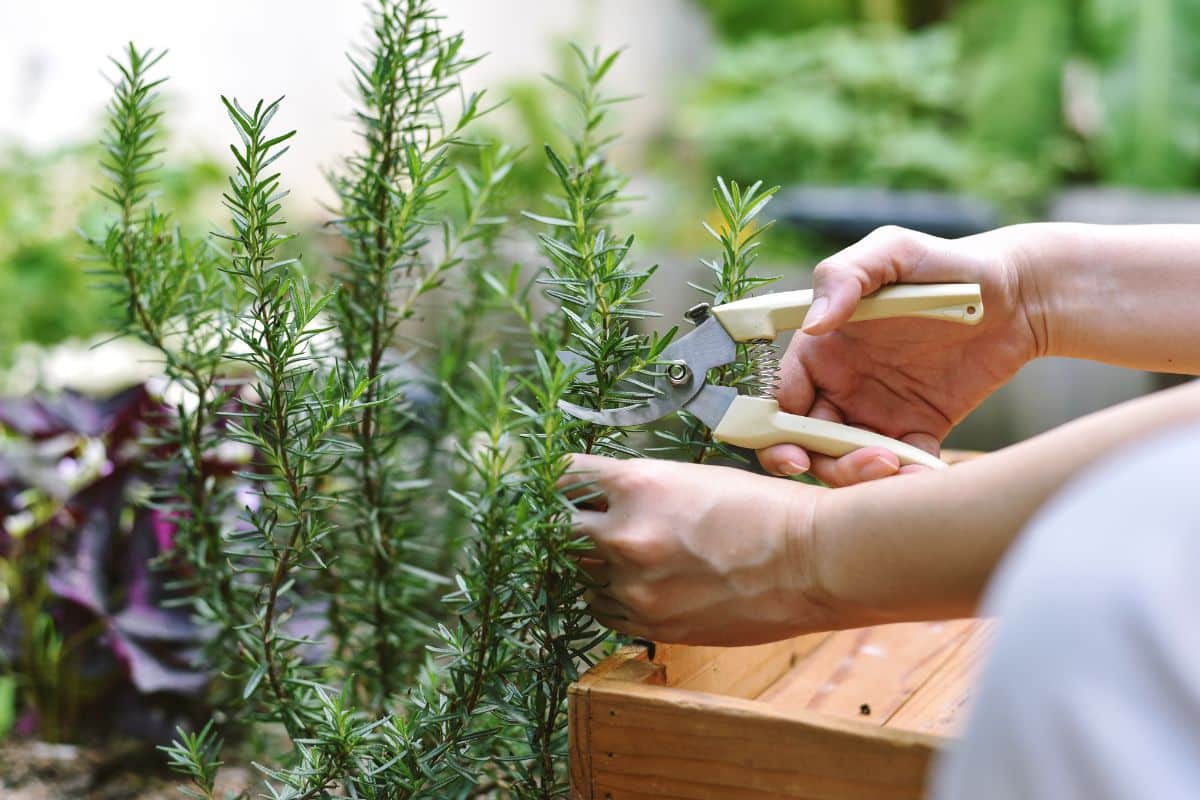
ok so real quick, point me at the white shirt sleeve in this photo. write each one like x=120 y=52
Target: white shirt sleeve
x=1092 y=689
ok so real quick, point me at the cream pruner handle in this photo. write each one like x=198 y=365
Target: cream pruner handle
x=764 y=316
x=756 y=423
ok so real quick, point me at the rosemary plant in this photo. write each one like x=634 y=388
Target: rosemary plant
x=390 y=192
x=600 y=298
x=290 y=419
x=175 y=297
x=739 y=235
x=407 y=497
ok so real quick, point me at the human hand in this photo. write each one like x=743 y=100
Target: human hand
x=910 y=379
x=698 y=554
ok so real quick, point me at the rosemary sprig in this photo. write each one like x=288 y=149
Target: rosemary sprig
x=392 y=194
x=289 y=419
x=739 y=235
x=600 y=298
x=174 y=298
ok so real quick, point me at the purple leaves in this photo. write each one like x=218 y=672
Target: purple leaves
x=75 y=470
x=72 y=413
x=109 y=573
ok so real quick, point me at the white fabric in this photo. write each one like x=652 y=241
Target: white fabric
x=1092 y=690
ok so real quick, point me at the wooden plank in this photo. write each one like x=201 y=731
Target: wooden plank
x=733 y=671
x=940 y=707
x=649 y=741
x=627 y=666
x=869 y=673
x=629 y=663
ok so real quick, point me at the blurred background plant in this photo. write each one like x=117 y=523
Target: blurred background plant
x=44 y=199
x=1006 y=99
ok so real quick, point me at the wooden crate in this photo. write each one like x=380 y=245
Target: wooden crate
x=851 y=715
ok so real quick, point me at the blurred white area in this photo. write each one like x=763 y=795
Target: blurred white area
x=52 y=54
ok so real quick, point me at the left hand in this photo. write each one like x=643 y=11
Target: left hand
x=699 y=554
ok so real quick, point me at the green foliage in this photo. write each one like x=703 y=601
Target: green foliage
x=194 y=755
x=1147 y=71
x=42 y=197
x=870 y=105
x=8 y=704
x=739 y=19
x=740 y=237
x=401 y=596
x=1017 y=54
x=419 y=696
x=973 y=104
x=389 y=194
x=599 y=298
x=39 y=674
x=290 y=419
x=176 y=298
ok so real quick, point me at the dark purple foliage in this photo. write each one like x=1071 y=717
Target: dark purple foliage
x=73 y=413
x=107 y=575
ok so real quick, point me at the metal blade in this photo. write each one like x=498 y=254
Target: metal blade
x=711 y=403
x=706 y=347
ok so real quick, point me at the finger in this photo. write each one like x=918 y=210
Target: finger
x=796 y=390
x=601 y=603
x=582 y=489
x=586 y=495
x=860 y=466
x=885 y=256
x=784 y=459
x=925 y=441
x=587 y=474
x=597 y=572
x=591 y=530
x=629 y=628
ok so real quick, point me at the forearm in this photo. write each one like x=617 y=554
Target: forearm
x=923 y=546
x=1122 y=294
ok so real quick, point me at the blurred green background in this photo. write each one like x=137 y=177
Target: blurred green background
x=1006 y=101
x=1007 y=98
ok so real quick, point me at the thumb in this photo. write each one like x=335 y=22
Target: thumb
x=836 y=293
x=886 y=255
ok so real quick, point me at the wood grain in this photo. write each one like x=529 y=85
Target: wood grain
x=646 y=741
x=872 y=670
x=940 y=707
x=733 y=671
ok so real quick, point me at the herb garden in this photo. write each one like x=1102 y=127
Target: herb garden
x=331 y=542
x=288 y=503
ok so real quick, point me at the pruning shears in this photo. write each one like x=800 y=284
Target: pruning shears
x=757 y=421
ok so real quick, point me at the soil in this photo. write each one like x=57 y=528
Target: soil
x=32 y=770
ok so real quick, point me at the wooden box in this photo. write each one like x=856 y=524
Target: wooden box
x=851 y=715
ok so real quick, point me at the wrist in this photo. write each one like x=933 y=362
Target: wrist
x=1055 y=290
x=819 y=565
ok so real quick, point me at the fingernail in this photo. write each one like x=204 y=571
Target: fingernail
x=878 y=467
x=792 y=468
x=815 y=312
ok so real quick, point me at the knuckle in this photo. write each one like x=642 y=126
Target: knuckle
x=641 y=598
x=638 y=477
x=642 y=550
x=890 y=233
x=826 y=269
x=902 y=244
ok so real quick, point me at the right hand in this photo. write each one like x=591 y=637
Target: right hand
x=910 y=379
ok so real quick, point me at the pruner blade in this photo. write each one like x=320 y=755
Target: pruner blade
x=686 y=363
